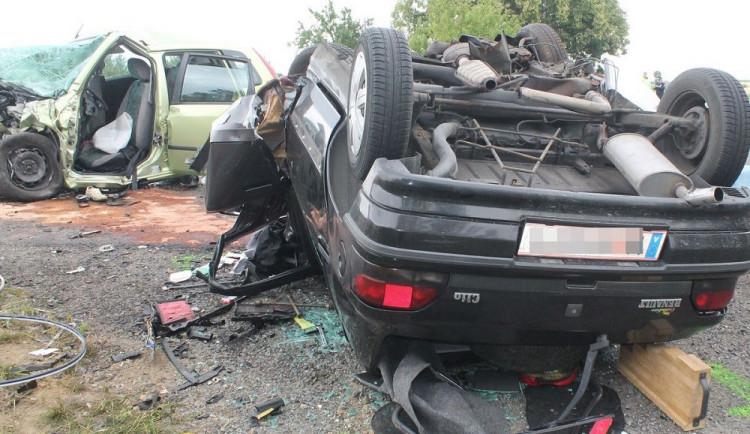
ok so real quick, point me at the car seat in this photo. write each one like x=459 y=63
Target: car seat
x=137 y=103
x=94 y=107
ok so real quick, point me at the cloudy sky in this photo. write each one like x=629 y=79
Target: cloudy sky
x=665 y=35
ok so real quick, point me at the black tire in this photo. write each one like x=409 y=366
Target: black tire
x=531 y=358
x=302 y=60
x=718 y=103
x=547 y=43
x=29 y=168
x=380 y=117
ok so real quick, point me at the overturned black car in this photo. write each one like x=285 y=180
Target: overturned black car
x=491 y=193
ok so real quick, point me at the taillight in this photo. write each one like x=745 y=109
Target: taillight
x=712 y=295
x=391 y=295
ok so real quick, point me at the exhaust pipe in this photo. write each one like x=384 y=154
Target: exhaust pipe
x=651 y=173
x=699 y=196
x=594 y=102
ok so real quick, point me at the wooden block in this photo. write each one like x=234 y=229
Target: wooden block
x=669 y=377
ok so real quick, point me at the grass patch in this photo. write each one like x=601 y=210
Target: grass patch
x=15 y=301
x=185 y=262
x=7 y=372
x=10 y=336
x=736 y=384
x=60 y=414
x=113 y=415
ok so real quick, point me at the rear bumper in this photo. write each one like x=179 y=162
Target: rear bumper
x=394 y=223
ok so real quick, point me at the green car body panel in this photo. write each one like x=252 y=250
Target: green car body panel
x=179 y=128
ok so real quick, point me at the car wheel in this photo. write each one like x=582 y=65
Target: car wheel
x=29 y=168
x=546 y=42
x=380 y=99
x=719 y=106
x=530 y=358
x=302 y=60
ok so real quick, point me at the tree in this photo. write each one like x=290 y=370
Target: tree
x=443 y=20
x=331 y=26
x=587 y=27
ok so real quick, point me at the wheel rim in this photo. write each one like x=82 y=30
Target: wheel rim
x=688 y=151
x=29 y=168
x=694 y=145
x=357 y=104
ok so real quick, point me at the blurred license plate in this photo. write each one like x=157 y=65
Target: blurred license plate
x=557 y=241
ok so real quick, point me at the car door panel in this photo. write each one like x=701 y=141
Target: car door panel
x=205 y=86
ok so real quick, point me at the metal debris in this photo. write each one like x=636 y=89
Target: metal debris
x=85 y=234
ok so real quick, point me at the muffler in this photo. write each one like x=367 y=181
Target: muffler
x=651 y=173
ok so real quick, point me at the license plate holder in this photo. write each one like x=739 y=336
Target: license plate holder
x=591 y=242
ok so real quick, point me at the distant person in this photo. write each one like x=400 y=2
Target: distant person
x=646 y=80
x=659 y=85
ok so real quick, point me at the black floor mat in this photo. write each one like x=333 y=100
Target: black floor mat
x=382 y=420
x=545 y=403
x=430 y=400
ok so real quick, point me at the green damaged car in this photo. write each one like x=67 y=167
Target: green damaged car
x=112 y=111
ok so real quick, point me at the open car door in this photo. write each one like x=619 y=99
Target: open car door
x=241 y=172
x=201 y=87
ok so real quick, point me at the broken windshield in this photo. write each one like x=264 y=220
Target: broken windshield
x=47 y=70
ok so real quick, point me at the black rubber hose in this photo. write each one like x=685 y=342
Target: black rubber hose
x=448 y=165
x=51 y=371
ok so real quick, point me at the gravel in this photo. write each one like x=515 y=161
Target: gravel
x=117 y=287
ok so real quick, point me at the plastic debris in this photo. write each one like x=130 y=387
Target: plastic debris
x=229 y=299
x=149 y=403
x=107 y=248
x=304 y=324
x=202 y=270
x=82 y=200
x=44 y=351
x=200 y=334
x=127 y=356
x=180 y=276
x=77 y=270
x=262 y=314
x=173 y=311
x=214 y=399
x=269 y=407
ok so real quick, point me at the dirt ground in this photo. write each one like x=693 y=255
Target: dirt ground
x=164 y=230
